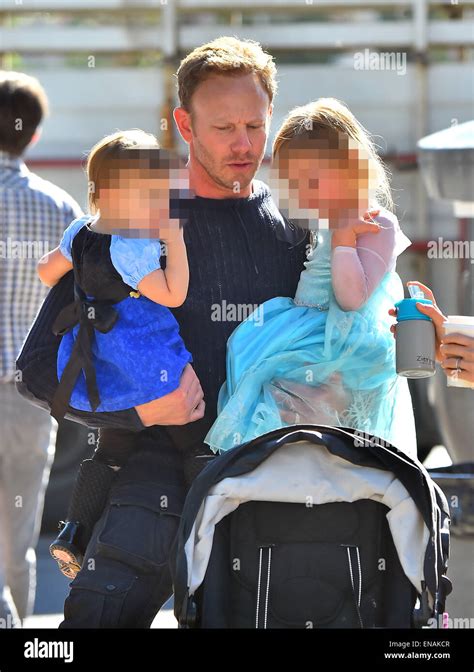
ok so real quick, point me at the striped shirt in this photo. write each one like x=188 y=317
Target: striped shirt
x=33 y=216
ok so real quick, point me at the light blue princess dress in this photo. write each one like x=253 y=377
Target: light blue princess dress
x=338 y=365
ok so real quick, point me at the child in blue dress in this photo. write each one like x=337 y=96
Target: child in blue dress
x=325 y=356
x=120 y=343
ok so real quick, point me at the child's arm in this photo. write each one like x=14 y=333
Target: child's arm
x=138 y=262
x=169 y=286
x=361 y=255
x=52 y=266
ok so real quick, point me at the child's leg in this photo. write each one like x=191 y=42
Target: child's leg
x=89 y=497
x=96 y=476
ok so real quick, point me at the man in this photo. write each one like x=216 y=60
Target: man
x=33 y=215
x=241 y=252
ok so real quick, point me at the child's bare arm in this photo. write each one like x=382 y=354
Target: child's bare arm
x=52 y=266
x=169 y=287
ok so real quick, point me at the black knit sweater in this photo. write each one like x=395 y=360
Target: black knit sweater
x=240 y=251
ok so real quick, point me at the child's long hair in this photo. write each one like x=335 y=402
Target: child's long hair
x=111 y=152
x=329 y=116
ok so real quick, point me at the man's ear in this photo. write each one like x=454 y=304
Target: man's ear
x=269 y=116
x=183 y=122
x=35 y=137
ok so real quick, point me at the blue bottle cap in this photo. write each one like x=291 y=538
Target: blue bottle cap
x=407 y=310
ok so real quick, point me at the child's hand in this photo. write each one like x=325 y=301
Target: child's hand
x=347 y=236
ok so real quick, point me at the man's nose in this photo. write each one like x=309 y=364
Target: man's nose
x=241 y=141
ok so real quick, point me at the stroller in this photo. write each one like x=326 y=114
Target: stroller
x=311 y=526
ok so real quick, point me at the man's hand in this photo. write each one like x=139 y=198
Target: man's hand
x=183 y=405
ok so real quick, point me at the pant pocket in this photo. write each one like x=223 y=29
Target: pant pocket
x=140 y=527
x=97 y=598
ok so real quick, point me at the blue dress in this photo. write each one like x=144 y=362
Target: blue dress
x=142 y=357
x=311 y=341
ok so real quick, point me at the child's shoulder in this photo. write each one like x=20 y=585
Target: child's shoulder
x=79 y=223
x=134 y=258
x=136 y=245
x=69 y=234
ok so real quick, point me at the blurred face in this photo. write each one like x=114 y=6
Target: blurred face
x=136 y=201
x=314 y=182
x=228 y=128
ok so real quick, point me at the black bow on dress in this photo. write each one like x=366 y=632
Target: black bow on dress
x=89 y=315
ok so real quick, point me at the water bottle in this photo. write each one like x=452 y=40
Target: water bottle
x=415 y=342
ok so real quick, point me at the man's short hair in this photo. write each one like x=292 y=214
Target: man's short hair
x=225 y=56
x=23 y=105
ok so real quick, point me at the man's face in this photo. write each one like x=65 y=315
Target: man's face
x=230 y=118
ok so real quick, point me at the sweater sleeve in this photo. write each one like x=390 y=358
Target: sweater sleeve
x=357 y=271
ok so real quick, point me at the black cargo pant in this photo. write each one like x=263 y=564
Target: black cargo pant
x=126 y=575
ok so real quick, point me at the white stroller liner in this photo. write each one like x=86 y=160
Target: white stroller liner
x=306 y=473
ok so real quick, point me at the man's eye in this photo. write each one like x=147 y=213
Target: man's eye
x=258 y=126
x=222 y=128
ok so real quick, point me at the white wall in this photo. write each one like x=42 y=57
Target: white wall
x=91 y=102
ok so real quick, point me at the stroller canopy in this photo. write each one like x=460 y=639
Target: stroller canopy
x=312 y=465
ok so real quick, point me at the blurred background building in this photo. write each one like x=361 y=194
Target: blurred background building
x=404 y=68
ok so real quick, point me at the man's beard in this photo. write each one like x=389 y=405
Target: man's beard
x=206 y=160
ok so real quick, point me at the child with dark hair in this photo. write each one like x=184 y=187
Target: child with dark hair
x=120 y=342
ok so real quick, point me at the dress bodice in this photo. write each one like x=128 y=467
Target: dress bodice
x=94 y=271
x=315 y=287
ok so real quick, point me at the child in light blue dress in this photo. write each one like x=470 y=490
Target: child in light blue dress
x=326 y=356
